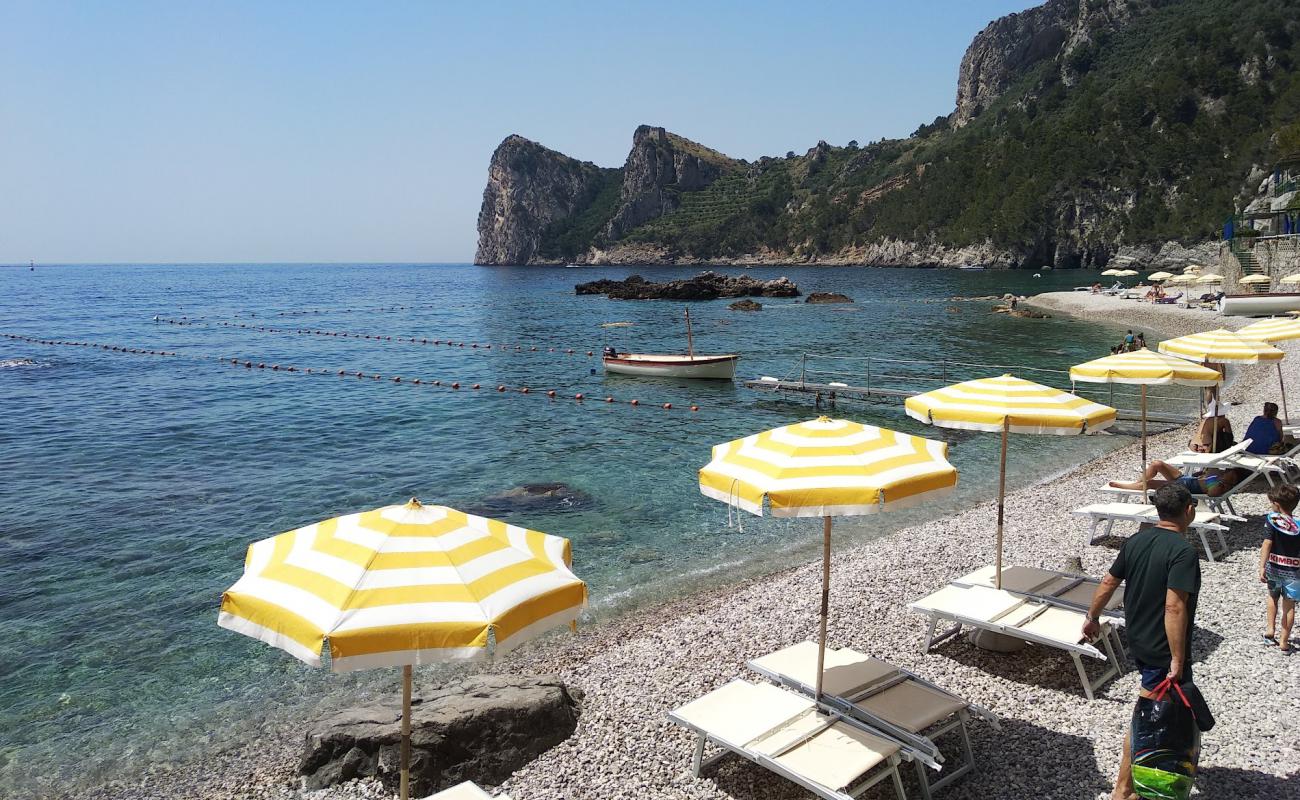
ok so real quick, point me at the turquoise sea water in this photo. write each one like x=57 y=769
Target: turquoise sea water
x=130 y=485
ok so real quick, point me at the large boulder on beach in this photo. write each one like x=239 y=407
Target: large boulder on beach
x=481 y=729
x=705 y=286
x=533 y=498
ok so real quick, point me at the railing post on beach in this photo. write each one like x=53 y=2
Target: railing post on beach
x=868 y=375
x=945 y=370
x=803 y=368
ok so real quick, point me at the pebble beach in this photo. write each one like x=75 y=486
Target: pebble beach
x=1053 y=743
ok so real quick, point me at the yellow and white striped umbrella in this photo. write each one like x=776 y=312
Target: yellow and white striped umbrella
x=1210 y=278
x=824 y=468
x=1273 y=329
x=1290 y=280
x=401 y=585
x=1255 y=280
x=1009 y=405
x=1220 y=346
x=1160 y=276
x=1146 y=367
x=827 y=467
x=987 y=404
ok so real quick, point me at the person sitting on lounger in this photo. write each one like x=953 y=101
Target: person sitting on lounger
x=1265 y=431
x=1206 y=439
x=1210 y=482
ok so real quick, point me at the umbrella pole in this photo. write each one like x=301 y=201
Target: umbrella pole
x=1144 y=428
x=1286 y=415
x=826 y=601
x=1002 y=497
x=406 y=733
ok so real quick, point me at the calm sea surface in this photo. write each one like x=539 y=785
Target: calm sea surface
x=130 y=485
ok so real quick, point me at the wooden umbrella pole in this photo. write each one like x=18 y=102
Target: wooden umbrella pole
x=826 y=601
x=1002 y=497
x=406 y=733
x=1144 y=428
x=1286 y=415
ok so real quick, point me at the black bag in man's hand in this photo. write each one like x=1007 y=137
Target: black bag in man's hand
x=1200 y=709
x=1166 y=744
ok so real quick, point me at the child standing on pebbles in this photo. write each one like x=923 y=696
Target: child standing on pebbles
x=1279 y=563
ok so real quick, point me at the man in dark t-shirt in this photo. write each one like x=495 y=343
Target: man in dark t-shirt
x=1161 y=574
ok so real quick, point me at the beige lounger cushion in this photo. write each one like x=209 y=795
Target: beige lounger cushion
x=1058 y=624
x=844 y=674
x=912 y=706
x=836 y=757
x=464 y=791
x=971 y=602
x=1032 y=580
x=740 y=712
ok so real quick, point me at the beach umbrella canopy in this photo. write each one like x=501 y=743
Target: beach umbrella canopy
x=1275 y=329
x=1160 y=276
x=1145 y=368
x=1210 y=277
x=827 y=468
x=403 y=585
x=1291 y=280
x=1126 y=273
x=1110 y=272
x=1220 y=346
x=1256 y=280
x=1191 y=269
x=1010 y=405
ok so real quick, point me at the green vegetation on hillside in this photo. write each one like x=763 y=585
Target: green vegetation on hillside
x=1142 y=137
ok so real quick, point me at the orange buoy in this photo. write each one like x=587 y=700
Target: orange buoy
x=524 y=390
x=275 y=366
x=500 y=388
x=636 y=402
x=455 y=386
x=475 y=386
x=378 y=377
x=589 y=353
x=551 y=393
x=361 y=374
x=261 y=366
x=695 y=408
x=609 y=399
x=342 y=373
x=416 y=381
x=397 y=379
x=578 y=396
x=668 y=405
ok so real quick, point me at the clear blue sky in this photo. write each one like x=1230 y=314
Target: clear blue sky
x=254 y=131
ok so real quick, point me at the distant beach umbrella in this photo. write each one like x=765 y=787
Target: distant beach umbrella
x=1160 y=276
x=1210 y=278
x=1010 y=405
x=1110 y=272
x=1191 y=269
x=827 y=468
x=1145 y=368
x=1290 y=280
x=1256 y=280
x=1220 y=346
x=1126 y=273
x=403 y=585
x=1275 y=329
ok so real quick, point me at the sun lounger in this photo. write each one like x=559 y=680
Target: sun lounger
x=1170 y=300
x=1108 y=514
x=1222 y=504
x=893 y=701
x=1058 y=588
x=790 y=736
x=1024 y=618
x=465 y=791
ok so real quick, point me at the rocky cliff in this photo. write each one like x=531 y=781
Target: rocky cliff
x=1082 y=129
x=660 y=167
x=529 y=188
x=1065 y=32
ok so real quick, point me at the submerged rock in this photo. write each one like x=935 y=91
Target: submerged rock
x=828 y=297
x=532 y=497
x=705 y=286
x=1020 y=312
x=481 y=729
x=746 y=305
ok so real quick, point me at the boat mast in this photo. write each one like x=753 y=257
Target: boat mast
x=690 y=346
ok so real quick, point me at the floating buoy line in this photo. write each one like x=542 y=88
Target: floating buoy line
x=377 y=337
x=246 y=364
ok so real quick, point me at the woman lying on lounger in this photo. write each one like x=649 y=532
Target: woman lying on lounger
x=1210 y=482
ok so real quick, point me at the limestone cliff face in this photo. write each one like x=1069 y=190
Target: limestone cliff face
x=659 y=167
x=1011 y=45
x=529 y=187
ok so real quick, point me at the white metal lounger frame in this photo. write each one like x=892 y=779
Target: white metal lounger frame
x=699 y=762
x=1143 y=514
x=1074 y=651
x=920 y=746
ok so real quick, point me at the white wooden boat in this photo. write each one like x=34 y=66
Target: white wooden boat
x=972 y=267
x=719 y=367
x=673 y=365
x=1259 y=305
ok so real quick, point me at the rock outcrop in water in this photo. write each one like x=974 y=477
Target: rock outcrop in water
x=534 y=498
x=705 y=286
x=826 y=298
x=481 y=729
